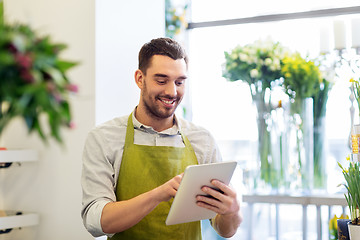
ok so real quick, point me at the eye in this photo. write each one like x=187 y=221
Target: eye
x=179 y=82
x=161 y=81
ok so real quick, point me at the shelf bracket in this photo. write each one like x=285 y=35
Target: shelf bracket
x=9 y=229
x=5 y=165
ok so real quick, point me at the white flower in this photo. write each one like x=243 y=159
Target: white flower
x=268 y=62
x=275 y=65
x=254 y=73
x=243 y=57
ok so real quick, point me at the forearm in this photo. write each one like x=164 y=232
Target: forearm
x=122 y=215
x=227 y=225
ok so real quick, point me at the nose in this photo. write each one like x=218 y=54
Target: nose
x=171 y=89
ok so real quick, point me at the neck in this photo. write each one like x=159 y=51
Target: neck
x=148 y=119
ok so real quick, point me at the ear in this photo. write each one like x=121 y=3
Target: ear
x=139 y=78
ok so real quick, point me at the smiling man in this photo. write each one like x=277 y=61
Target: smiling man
x=133 y=165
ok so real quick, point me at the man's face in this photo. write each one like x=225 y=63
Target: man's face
x=163 y=86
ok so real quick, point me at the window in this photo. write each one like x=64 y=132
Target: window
x=225 y=108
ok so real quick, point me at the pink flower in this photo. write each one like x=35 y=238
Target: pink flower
x=24 y=60
x=72 y=88
x=72 y=125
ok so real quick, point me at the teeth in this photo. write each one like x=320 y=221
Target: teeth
x=167 y=101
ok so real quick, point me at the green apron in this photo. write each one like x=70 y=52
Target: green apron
x=144 y=168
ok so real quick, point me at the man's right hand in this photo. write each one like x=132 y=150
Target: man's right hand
x=121 y=215
x=168 y=190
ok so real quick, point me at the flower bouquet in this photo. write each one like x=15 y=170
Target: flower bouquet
x=301 y=80
x=259 y=64
x=33 y=81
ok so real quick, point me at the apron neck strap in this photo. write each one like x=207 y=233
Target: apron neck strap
x=129 y=139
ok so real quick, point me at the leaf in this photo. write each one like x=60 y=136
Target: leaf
x=65 y=65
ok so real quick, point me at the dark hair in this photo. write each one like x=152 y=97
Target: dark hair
x=160 y=46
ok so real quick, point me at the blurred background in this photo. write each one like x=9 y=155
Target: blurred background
x=104 y=38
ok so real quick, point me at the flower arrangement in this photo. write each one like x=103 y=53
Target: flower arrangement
x=305 y=86
x=265 y=65
x=260 y=60
x=259 y=64
x=34 y=81
x=352 y=185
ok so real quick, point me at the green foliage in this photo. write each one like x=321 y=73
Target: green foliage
x=352 y=185
x=33 y=81
x=356 y=90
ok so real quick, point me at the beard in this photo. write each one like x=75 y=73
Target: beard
x=154 y=106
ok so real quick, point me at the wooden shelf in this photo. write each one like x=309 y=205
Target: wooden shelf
x=18 y=155
x=11 y=220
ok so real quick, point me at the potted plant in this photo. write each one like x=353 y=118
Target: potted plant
x=352 y=185
x=33 y=81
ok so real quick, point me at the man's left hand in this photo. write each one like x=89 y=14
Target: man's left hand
x=224 y=202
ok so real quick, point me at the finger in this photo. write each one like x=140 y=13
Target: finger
x=208 y=203
x=215 y=193
x=208 y=200
x=179 y=177
x=227 y=190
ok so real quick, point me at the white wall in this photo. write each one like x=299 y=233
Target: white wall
x=122 y=27
x=51 y=186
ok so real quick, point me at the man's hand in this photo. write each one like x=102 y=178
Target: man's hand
x=168 y=190
x=121 y=215
x=225 y=204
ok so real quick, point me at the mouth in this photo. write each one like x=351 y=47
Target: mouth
x=168 y=102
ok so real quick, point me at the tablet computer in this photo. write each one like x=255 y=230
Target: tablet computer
x=184 y=208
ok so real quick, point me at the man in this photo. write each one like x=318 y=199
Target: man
x=133 y=165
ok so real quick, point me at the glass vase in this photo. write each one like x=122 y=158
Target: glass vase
x=300 y=166
x=269 y=155
x=320 y=176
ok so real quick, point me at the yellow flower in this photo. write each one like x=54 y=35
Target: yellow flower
x=333 y=223
x=333 y=227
